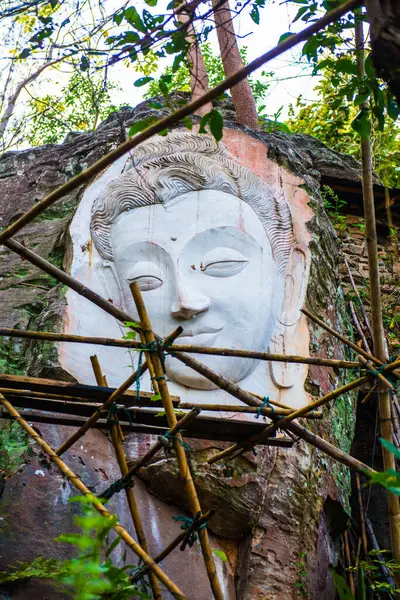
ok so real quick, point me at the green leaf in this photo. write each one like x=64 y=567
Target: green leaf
x=347 y=66
x=132 y=323
x=188 y=123
x=284 y=37
x=300 y=13
x=361 y=98
x=156 y=105
x=162 y=413
x=155 y=397
x=113 y=545
x=118 y=18
x=84 y=64
x=132 y=16
x=362 y=123
x=143 y=81
x=25 y=53
x=390 y=447
x=255 y=15
x=220 y=554
x=216 y=124
x=393 y=108
x=142 y=125
x=341 y=586
x=151 y=2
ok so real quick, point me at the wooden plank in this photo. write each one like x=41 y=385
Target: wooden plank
x=207 y=428
x=90 y=392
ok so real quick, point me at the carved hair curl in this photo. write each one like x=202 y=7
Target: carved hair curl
x=163 y=168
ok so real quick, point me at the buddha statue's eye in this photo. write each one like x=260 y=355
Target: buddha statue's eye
x=148 y=275
x=223 y=262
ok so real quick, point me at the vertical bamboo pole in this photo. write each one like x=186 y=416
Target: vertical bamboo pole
x=376 y=303
x=78 y=483
x=348 y=561
x=190 y=489
x=130 y=496
x=362 y=515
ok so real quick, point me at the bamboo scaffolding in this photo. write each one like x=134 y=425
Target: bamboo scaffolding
x=189 y=486
x=77 y=482
x=107 y=404
x=181 y=424
x=365 y=357
x=378 y=333
x=130 y=495
x=174 y=118
x=284 y=421
x=168 y=549
x=101 y=341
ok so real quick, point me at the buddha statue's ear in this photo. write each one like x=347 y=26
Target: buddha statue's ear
x=283 y=339
x=107 y=275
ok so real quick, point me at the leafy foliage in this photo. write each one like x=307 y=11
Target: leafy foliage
x=88 y=576
x=331 y=119
x=83 y=102
x=13 y=446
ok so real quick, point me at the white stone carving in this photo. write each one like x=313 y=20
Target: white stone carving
x=213 y=249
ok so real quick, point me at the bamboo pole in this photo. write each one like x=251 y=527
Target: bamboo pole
x=362 y=515
x=106 y=405
x=348 y=561
x=266 y=356
x=189 y=486
x=235 y=408
x=130 y=495
x=365 y=357
x=378 y=332
x=71 y=282
x=174 y=118
x=168 y=549
x=357 y=325
x=78 y=483
x=284 y=421
x=360 y=302
x=181 y=424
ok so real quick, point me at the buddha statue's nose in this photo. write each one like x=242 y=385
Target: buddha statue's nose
x=189 y=303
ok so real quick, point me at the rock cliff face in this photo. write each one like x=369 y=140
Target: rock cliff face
x=280 y=514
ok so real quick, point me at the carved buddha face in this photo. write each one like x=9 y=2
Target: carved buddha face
x=207 y=242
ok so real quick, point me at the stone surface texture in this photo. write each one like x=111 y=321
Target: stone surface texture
x=279 y=515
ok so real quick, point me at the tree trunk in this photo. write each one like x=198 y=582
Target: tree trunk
x=198 y=72
x=246 y=112
x=384 y=19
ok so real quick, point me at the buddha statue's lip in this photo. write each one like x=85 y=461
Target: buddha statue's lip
x=203 y=335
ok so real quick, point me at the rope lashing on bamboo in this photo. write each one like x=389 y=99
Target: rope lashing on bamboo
x=117 y=486
x=264 y=403
x=376 y=371
x=167 y=439
x=112 y=416
x=191 y=525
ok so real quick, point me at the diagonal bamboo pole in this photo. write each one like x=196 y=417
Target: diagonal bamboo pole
x=130 y=495
x=107 y=404
x=189 y=486
x=174 y=544
x=376 y=303
x=76 y=481
x=181 y=424
x=365 y=357
x=282 y=422
x=267 y=356
x=175 y=117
